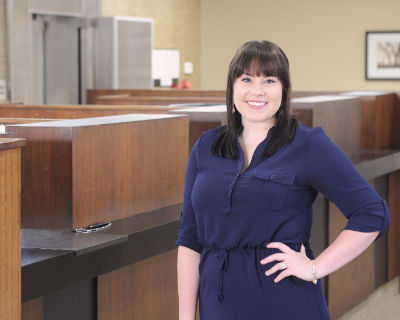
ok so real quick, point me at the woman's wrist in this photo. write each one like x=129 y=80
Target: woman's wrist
x=314 y=272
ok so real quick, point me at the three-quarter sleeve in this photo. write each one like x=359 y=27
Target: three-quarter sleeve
x=331 y=172
x=187 y=235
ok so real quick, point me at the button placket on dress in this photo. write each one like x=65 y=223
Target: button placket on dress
x=228 y=207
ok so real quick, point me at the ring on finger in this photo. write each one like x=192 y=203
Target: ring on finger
x=283 y=264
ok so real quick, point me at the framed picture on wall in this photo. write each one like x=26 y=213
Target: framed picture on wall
x=382 y=55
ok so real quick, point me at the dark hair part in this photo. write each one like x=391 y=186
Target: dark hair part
x=258 y=58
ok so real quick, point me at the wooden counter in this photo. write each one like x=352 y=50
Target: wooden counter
x=123 y=100
x=10 y=241
x=67 y=285
x=76 y=111
x=93 y=93
x=76 y=173
x=50 y=277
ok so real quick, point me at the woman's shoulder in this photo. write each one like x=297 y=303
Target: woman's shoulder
x=304 y=132
x=314 y=139
x=303 y=129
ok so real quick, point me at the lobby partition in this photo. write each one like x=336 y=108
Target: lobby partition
x=77 y=173
x=127 y=170
x=93 y=93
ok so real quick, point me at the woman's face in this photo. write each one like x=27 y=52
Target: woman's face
x=257 y=98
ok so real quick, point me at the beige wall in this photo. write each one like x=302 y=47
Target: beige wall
x=3 y=47
x=323 y=39
x=176 y=26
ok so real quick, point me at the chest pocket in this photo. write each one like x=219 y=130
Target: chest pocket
x=269 y=189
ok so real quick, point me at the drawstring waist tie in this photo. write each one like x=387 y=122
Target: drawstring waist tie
x=223 y=267
x=223 y=264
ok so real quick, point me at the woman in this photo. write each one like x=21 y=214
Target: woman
x=246 y=220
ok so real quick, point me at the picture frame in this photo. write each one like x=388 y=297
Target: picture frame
x=382 y=55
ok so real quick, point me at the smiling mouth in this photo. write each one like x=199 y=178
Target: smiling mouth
x=256 y=104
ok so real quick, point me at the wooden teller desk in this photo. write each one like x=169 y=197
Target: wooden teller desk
x=125 y=169
x=128 y=271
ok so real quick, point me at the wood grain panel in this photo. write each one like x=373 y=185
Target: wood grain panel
x=197 y=128
x=22 y=120
x=32 y=310
x=201 y=120
x=355 y=281
x=395 y=134
x=394 y=227
x=118 y=100
x=10 y=240
x=9 y=143
x=77 y=111
x=46 y=177
x=340 y=119
x=368 y=118
x=304 y=116
x=92 y=94
x=377 y=114
x=145 y=290
x=384 y=115
x=123 y=170
x=77 y=175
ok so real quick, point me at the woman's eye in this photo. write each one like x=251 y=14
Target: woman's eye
x=269 y=81
x=246 y=80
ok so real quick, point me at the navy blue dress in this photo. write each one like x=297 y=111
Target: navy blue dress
x=229 y=218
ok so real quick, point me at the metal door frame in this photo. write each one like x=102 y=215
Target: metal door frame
x=19 y=38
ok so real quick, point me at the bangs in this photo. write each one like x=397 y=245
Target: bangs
x=255 y=60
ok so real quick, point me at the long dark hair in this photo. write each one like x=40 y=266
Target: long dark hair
x=259 y=58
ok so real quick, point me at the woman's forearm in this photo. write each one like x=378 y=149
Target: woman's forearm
x=188 y=282
x=347 y=246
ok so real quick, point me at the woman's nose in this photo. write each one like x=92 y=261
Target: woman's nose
x=258 y=89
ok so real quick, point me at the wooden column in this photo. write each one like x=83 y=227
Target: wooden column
x=10 y=226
